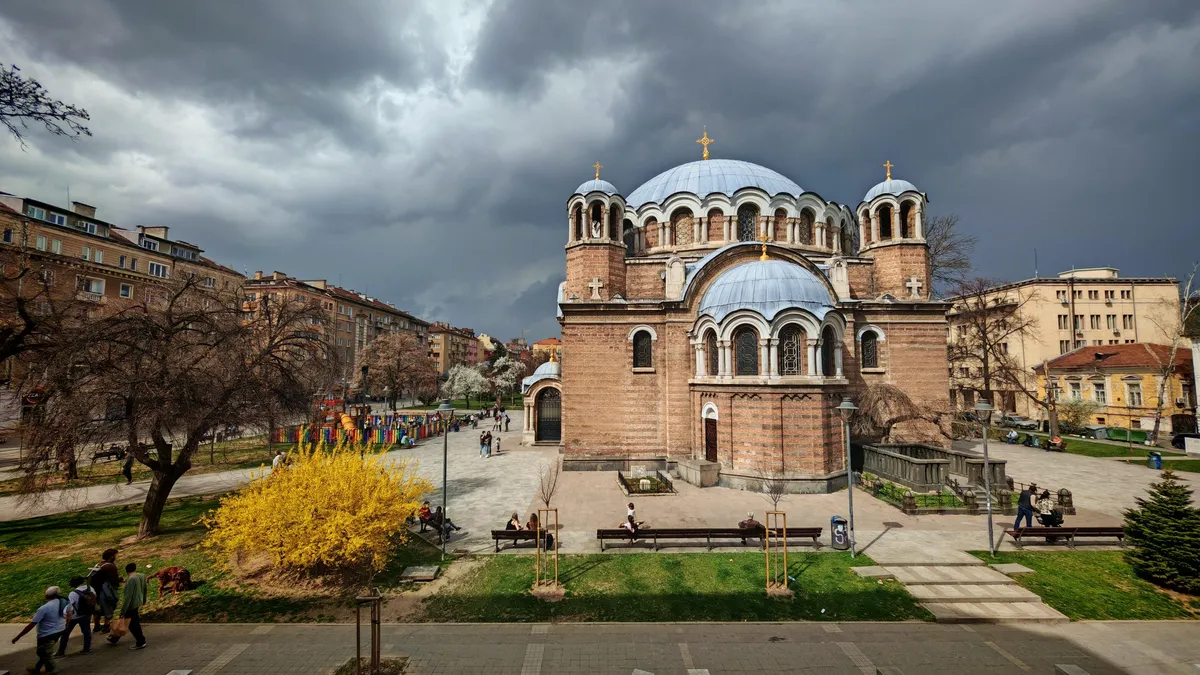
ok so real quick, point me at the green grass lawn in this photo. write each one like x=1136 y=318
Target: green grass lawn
x=1192 y=465
x=1093 y=448
x=1095 y=585
x=510 y=402
x=674 y=587
x=41 y=552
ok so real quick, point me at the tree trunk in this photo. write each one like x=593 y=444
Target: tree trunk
x=156 y=501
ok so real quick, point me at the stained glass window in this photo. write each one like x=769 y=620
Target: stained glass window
x=747 y=223
x=681 y=227
x=746 y=344
x=870 y=350
x=827 y=346
x=642 y=350
x=806 y=228
x=714 y=357
x=789 y=350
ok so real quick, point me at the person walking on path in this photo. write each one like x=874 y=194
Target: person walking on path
x=134 y=598
x=51 y=621
x=105 y=579
x=1025 y=506
x=497 y=445
x=127 y=467
x=483 y=444
x=277 y=461
x=83 y=603
x=506 y=421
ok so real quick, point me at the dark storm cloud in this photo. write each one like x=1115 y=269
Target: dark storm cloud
x=424 y=152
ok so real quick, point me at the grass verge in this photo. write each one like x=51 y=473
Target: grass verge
x=674 y=587
x=1192 y=465
x=1095 y=585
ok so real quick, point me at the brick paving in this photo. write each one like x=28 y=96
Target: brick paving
x=1099 y=648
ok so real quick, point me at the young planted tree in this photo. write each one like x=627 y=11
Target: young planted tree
x=950 y=251
x=548 y=481
x=177 y=367
x=465 y=382
x=1164 y=536
x=24 y=101
x=399 y=364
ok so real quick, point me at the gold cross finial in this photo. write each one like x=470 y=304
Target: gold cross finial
x=705 y=141
x=888 y=165
x=597 y=166
x=763 y=239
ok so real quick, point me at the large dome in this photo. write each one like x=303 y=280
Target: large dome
x=767 y=287
x=709 y=176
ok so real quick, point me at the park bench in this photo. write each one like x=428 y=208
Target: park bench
x=654 y=534
x=1070 y=534
x=112 y=453
x=514 y=536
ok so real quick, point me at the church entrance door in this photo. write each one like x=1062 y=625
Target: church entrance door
x=710 y=440
x=549 y=415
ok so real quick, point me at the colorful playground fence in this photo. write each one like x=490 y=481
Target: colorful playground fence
x=382 y=430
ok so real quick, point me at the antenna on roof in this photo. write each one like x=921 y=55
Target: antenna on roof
x=1035 y=274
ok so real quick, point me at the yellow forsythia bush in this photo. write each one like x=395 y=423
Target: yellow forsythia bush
x=329 y=509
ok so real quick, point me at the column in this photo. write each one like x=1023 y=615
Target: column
x=570 y=230
x=764 y=354
x=604 y=222
x=662 y=234
x=723 y=350
x=699 y=359
x=875 y=227
x=771 y=228
x=919 y=218
x=812 y=357
x=837 y=359
x=837 y=240
x=703 y=239
x=862 y=233
x=773 y=357
x=725 y=229
x=896 y=223
x=670 y=230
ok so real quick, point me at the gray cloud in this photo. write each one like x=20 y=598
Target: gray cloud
x=424 y=151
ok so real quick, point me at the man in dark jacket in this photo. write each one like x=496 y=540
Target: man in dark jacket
x=1025 y=506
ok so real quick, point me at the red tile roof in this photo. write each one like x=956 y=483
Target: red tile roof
x=1135 y=355
x=548 y=342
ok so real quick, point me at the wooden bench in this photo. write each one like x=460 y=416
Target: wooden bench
x=113 y=452
x=514 y=536
x=653 y=534
x=1070 y=534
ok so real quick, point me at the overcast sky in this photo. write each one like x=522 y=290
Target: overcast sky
x=423 y=151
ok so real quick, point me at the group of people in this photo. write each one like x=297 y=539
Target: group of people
x=631 y=522
x=1030 y=441
x=487 y=442
x=514 y=523
x=1048 y=512
x=499 y=417
x=91 y=605
x=437 y=520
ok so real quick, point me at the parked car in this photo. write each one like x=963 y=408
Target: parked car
x=1018 y=422
x=1178 y=441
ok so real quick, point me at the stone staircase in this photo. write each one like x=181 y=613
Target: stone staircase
x=964 y=589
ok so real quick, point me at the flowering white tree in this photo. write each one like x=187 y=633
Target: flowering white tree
x=464 y=382
x=506 y=373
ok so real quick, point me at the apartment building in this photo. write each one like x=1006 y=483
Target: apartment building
x=1090 y=307
x=356 y=319
x=551 y=345
x=451 y=346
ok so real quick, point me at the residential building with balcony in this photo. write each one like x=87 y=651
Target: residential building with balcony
x=451 y=346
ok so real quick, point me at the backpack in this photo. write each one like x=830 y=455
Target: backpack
x=62 y=607
x=86 y=603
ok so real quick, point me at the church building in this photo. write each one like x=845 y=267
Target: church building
x=714 y=317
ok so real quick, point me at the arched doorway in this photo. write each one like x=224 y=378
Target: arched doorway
x=549 y=415
x=710 y=432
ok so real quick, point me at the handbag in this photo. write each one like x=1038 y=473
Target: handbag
x=119 y=627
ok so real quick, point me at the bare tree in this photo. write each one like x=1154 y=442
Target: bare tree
x=774 y=485
x=399 y=364
x=984 y=323
x=950 y=251
x=36 y=306
x=176 y=367
x=1176 y=323
x=23 y=100
x=548 y=481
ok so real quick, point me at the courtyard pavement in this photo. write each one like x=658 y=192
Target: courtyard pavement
x=1095 y=648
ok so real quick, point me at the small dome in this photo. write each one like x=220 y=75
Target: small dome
x=596 y=186
x=890 y=187
x=712 y=176
x=767 y=287
x=549 y=368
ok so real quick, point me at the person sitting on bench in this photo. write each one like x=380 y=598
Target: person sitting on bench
x=514 y=523
x=424 y=514
x=632 y=525
x=1011 y=436
x=750 y=524
x=443 y=524
x=1047 y=513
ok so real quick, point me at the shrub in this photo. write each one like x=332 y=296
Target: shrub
x=330 y=509
x=1164 y=531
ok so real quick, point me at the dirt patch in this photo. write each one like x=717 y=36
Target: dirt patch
x=409 y=606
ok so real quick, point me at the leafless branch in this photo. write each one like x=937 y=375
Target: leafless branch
x=23 y=100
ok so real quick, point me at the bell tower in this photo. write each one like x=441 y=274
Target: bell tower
x=891 y=222
x=595 y=252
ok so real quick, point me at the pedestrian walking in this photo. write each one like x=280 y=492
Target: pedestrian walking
x=487 y=444
x=50 y=620
x=506 y=421
x=497 y=445
x=482 y=444
x=127 y=467
x=134 y=598
x=105 y=579
x=83 y=603
x=1025 y=506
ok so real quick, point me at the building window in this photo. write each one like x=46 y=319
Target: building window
x=56 y=246
x=1127 y=321
x=41 y=242
x=1003 y=347
x=1110 y=320
x=1093 y=295
x=121 y=262
x=1133 y=393
x=210 y=282
x=1080 y=343
x=8 y=235
x=1061 y=295
x=1078 y=295
x=1099 y=393
x=35 y=212
x=126 y=291
x=714 y=356
x=1127 y=295
x=149 y=244
x=1078 y=322
x=1108 y=295
x=870 y=350
x=790 y=347
x=643 y=350
x=1076 y=391
x=56 y=218
x=1094 y=321
x=86 y=254
x=133 y=264
x=99 y=257
x=90 y=228
x=157 y=270
x=1063 y=323
x=1064 y=346
x=747 y=223
x=745 y=342
x=90 y=285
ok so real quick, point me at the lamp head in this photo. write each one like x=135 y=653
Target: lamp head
x=445 y=408
x=846 y=407
x=984 y=410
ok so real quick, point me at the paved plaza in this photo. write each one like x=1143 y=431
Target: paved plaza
x=1152 y=648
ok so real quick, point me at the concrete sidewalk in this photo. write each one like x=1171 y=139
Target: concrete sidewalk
x=676 y=648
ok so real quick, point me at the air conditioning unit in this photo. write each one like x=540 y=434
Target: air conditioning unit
x=1116 y=331
x=1063 y=301
x=1108 y=301
x=1078 y=333
x=1181 y=403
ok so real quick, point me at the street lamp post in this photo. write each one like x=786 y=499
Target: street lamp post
x=845 y=408
x=984 y=410
x=447 y=412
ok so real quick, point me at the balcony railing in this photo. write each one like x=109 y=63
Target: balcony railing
x=88 y=296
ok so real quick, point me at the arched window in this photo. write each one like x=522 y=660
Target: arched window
x=681 y=227
x=869 y=349
x=804 y=229
x=906 y=214
x=643 y=350
x=650 y=233
x=780 y=233
x=747 y=222
x=597 y=221
x=847 y=239
x=716 y=225
x=885 y=222
x=630 y=237
x=714 y=356
x=745 y=342
x=577 y=217
x=791 y=346
x=866 y=228
x=828 y=338
x=614 y=218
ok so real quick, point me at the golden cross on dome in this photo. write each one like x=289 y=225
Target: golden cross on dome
x=888 y=165
x=763 y=239
x=597 y=166
x=705 y=141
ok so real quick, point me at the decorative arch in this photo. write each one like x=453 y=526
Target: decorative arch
x=643 y=349
x=650 y=233
x=712 y=353
x=722 y=259
x=805 y=226
x=577 y=221
x=780 y=225
x=743 y=317
x=858 y=334
x=709 y=411
x=908 y=209
x=829 y=340
x=648 y=329
x=547 y=411
x=715 y=224
x=595 y=215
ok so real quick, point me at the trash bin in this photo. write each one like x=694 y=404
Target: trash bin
x=1154 y=460
x=839 y=533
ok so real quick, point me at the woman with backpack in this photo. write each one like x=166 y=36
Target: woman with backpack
x=105 y=579
x=83 y=601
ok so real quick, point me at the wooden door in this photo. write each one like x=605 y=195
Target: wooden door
x=710 y=440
